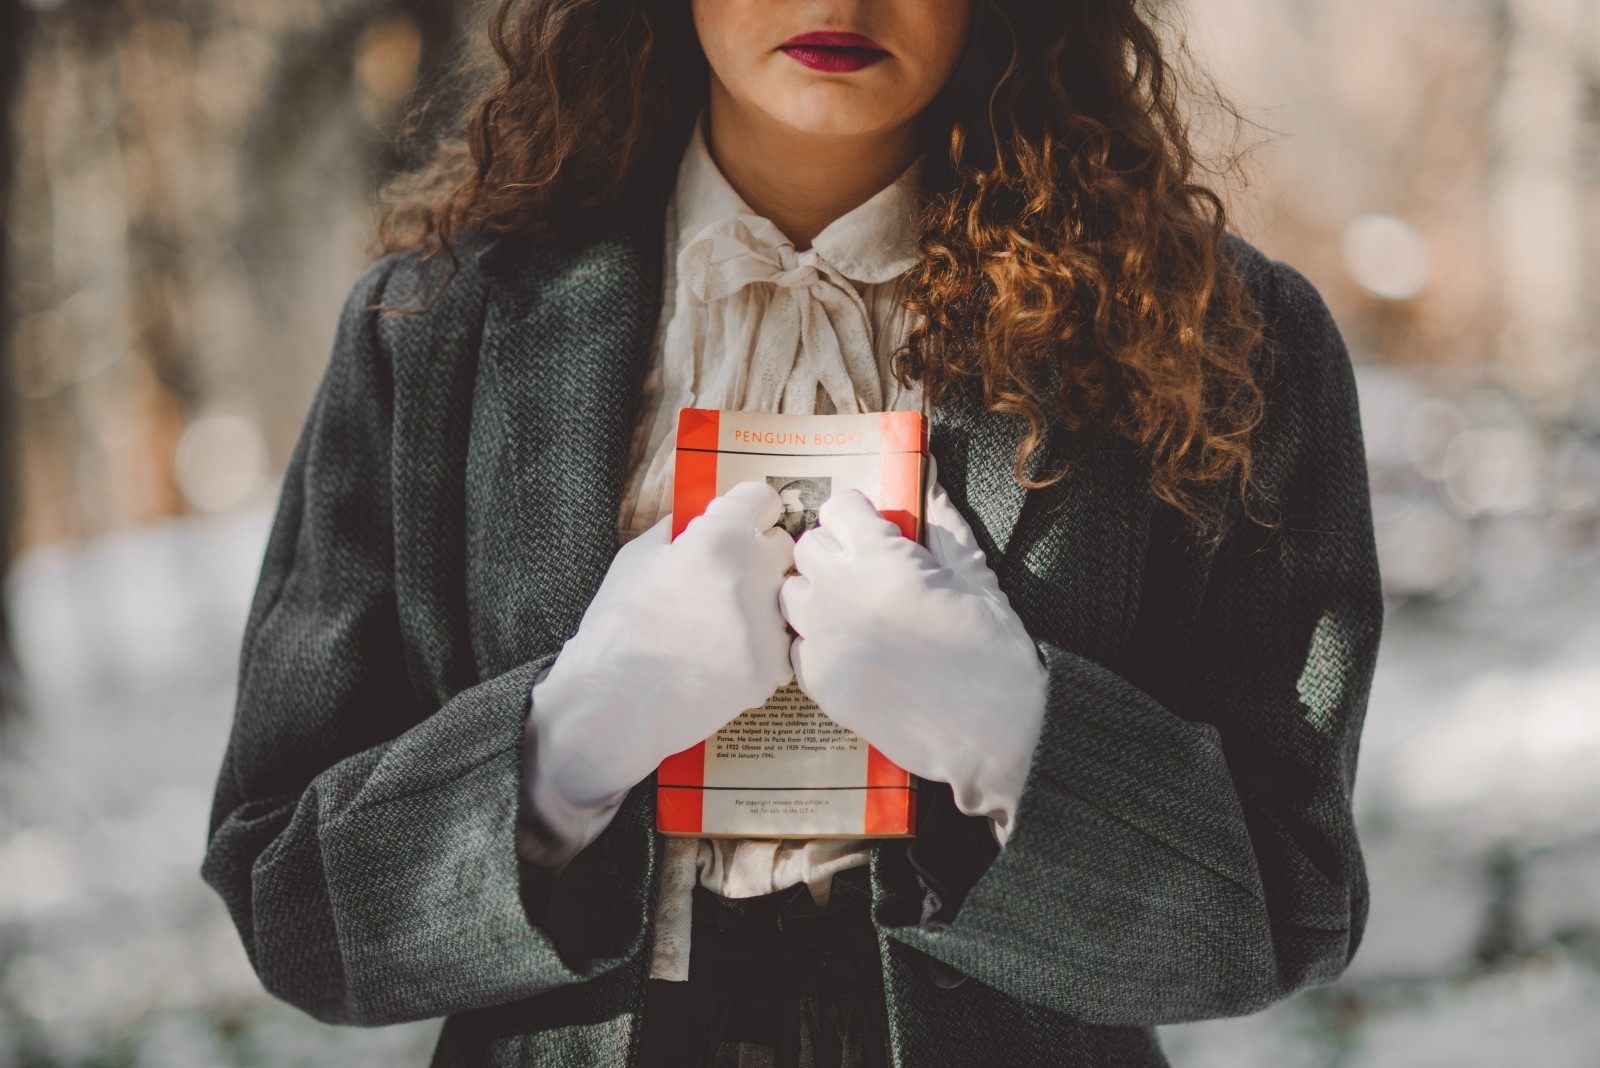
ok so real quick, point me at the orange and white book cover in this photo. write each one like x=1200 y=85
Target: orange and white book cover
x=785 y=770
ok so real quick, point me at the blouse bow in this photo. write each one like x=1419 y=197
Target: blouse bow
x=810 y=325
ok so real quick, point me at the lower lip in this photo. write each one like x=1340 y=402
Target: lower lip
x=834 y=60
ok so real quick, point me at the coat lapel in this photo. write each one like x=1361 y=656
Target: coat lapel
x=976 y=450
x=1080 y=542
x=566 y=343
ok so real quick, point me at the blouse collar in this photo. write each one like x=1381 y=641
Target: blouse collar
x=872 y=243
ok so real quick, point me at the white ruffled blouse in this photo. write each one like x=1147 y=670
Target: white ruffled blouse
x=750 y=323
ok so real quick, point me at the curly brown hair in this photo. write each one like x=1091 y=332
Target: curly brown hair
x=1073 y=268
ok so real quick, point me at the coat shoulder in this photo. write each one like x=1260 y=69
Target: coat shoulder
x=429 y=302
x=1312 y=416
x=1294 y=314
x=1303 y=362
x=424 y=306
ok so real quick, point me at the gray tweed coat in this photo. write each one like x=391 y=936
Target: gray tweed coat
x=1184 y=845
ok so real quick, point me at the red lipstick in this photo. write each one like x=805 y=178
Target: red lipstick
x=834 y=53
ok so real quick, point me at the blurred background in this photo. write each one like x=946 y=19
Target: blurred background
x=187 y=191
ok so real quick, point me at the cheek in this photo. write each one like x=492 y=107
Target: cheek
x=940 y=30
x=727 y=29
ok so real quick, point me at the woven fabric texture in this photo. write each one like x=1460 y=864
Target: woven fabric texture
x=1184 y=846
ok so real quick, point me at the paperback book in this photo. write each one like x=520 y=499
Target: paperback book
x=785 y=770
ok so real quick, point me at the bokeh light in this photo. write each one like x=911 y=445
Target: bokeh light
x=1386 y=255
x=221 y=462
x=1494 y=470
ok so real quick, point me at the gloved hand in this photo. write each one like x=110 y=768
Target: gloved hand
x=682 y=636
x=917 y=650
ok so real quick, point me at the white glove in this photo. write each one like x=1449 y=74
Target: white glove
x=918 y=651
x=682 y=636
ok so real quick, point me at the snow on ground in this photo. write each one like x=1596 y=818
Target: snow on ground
x=112 y=951
x=1477 y=793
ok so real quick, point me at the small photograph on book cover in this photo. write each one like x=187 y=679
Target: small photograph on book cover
x=801 y=498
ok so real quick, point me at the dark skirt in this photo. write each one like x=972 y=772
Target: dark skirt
x=774 y=982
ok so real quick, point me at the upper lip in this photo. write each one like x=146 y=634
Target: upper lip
x=831 y=39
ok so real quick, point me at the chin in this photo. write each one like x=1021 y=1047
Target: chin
x=842 y=111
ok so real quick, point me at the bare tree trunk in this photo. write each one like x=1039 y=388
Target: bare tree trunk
x=13 y=27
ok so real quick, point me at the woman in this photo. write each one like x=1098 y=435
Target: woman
x=1137 y=758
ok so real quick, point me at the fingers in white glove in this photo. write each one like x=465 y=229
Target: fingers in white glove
x=794 y=602
x=854 y=522
x=852 y=529
x=950 y=539
x=682 y=636
x=738 y=525
x=753 y=506
x=918 y=650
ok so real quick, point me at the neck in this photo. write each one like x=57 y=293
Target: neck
x=801 y=181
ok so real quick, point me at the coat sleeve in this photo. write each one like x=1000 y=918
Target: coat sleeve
x=365 y=843
x=1172 y=865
